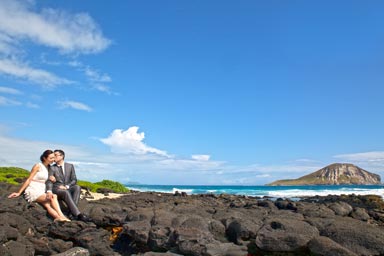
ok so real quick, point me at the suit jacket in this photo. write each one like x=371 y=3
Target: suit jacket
x=68 y=179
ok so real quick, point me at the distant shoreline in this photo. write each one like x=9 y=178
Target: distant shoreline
x=293 y=191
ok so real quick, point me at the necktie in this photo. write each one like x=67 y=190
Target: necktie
x=61 y=170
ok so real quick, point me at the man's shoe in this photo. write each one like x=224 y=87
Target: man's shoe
x=84 y=218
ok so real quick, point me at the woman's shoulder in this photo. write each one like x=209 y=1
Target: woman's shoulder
x=37 y=165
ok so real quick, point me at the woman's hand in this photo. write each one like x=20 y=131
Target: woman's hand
x=15 y=194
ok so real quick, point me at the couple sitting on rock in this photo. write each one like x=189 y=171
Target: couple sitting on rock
x=47 y=183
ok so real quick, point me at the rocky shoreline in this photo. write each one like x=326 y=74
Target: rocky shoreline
x=150 y=223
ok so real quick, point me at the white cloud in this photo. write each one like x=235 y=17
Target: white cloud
x=201 y=157
x=21 y=23
x=292 y=169
x=32 y=105
x=372 y=161
x=96 y=78
x=9 y=90
x=92 y=74
x=23 y=71
x=70 y=33
x=373 y=156
x=25 y=153
x=95 y=166
x=8 y=102
x=130 y=142
x=6 y=45
x=75 y=105
x=190 y=164
x=75 y=64
x=104 y=88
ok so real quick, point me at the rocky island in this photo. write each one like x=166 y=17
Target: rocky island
x=334 y=174
x=160 y=224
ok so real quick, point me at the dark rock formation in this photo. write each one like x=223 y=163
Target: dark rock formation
x=164 y=224
x=334 y=174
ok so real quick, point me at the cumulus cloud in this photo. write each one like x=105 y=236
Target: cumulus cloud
x=75 y=105
x=130 y=142
x=9 y=90
x=70 y=33
x=23 y=71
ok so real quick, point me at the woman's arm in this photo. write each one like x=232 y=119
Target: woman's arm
x=34 y=170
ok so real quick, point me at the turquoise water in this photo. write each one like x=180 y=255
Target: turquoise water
x=271 y=191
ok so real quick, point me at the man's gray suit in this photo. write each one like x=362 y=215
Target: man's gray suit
x=70 y=195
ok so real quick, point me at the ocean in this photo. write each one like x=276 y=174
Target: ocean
x=269 y=191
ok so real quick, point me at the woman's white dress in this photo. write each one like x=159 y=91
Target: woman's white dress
x=37 y=186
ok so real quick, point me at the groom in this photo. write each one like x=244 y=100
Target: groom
x=62 y=181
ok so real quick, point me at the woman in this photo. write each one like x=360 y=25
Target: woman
x=34 y=187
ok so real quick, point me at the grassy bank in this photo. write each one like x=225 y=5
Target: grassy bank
x=16 y=176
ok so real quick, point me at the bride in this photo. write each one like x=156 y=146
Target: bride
x=35 y=190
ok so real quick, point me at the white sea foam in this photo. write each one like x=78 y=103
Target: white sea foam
x=289 y=193
x=188 y=191
x=260 y=191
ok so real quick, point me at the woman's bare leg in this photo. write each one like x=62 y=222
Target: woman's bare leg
x=43 y=201
x=55 y=205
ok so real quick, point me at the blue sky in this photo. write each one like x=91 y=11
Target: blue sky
x=193 y=92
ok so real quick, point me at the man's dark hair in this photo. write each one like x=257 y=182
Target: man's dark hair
x=60 y=151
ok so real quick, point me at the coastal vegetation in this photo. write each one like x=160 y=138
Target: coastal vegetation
x=114 y=186
x=16 y=175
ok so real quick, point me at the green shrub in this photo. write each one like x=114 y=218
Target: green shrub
x=115 y=186
x=14 y=174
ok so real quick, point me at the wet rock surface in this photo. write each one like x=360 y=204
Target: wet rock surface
x=166 y=224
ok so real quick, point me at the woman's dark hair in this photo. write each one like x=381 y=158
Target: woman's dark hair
x=45 y=154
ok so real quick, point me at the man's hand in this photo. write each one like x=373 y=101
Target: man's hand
x=62 y=187
x=49 y=195
x=52 y=178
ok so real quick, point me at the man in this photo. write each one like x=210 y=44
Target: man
x=62 y=181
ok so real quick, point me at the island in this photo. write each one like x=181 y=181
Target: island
x=334 y=174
